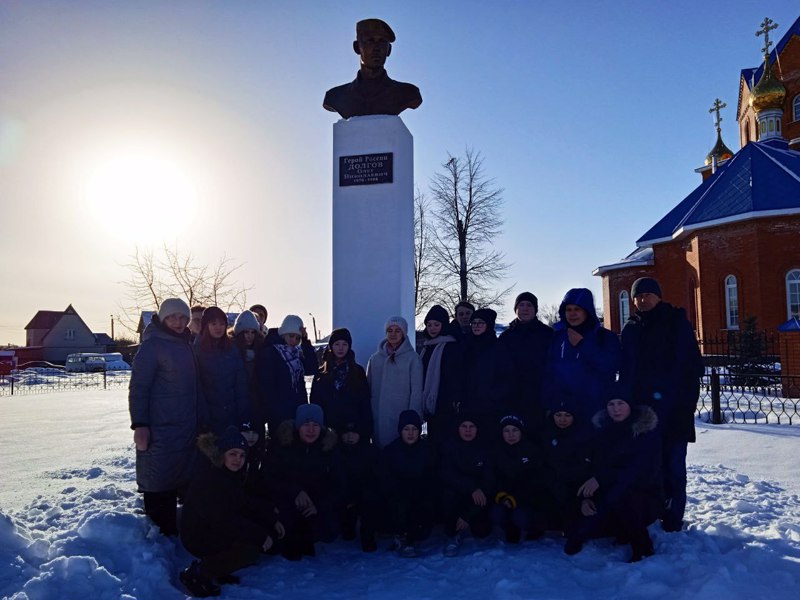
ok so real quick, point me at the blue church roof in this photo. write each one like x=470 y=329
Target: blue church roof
x=751 y=76
x=762 y=179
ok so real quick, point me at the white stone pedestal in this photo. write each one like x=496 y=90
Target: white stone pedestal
x=373 y=228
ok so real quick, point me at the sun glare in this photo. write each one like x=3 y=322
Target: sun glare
x=140 y=197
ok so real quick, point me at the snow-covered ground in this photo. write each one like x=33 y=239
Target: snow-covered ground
x=71 y=527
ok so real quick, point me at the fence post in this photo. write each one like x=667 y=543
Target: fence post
x=12 y=385
x=105 y=386
x=716 y=409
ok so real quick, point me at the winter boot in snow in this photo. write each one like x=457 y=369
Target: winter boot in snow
x=513 y=534
x=641 y=546
x=349 y=524
x=408 y=551
x=198 y=584
x=573 y=545
x=453 y=546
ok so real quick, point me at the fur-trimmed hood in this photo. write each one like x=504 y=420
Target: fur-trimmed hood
x=287 y=435
x=642 y=419
x=207 y=444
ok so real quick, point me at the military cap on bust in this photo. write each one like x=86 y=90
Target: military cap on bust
x=367 y=24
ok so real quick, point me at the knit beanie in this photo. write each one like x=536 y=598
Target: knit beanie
x=512 y=420
x=245 y=321
x=437 y=313
x=231 y=438
x=213 y=313
x=645 y=285
x=530 y=298
x=291 y=324
x=341 y=334
x=487 y=314
x=308 y=413
x=173 y=306
x=399 y=321
x=408 y=417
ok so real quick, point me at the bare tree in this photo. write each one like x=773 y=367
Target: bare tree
x=467 y=221
x=548 y=314
x=173 y=273
x=425 y=288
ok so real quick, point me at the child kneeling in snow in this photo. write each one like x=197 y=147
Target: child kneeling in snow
x=409 y=472
x=221 y=524
x=467 y=482
x=624 y=494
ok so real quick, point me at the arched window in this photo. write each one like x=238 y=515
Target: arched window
x=624 y=308
x=731 y=302
x=793 y=293
x=797 y=107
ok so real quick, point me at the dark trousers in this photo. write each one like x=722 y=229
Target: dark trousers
x=674 y=469
x=455 y=506
x=411 y=516
x=161 y=507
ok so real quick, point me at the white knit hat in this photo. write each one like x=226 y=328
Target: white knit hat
x=291 y=324
x=246 y=320
x=399 y=321
x=173 y=306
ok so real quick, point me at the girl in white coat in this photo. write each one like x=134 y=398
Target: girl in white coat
x=394 y=373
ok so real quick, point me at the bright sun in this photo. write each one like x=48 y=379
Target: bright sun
x=140 y=197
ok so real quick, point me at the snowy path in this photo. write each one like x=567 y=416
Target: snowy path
x=71 y=527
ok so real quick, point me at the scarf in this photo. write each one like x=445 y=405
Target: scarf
x=430 y=390
x=291 y=356
x=340 y=372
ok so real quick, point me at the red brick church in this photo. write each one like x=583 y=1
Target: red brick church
x=731 y=248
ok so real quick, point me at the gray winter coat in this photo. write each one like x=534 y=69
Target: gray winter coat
x=163 y=395
x=396 y=385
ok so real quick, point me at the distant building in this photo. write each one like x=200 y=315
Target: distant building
x=731 y=248
x=52 y=335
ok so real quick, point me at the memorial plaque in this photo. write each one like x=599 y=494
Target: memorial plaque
x=366 y=169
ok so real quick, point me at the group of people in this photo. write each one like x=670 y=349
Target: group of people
x=571 y=429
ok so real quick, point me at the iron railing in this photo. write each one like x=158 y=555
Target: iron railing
x=52 y=380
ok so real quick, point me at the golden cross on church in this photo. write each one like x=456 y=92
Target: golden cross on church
x=767 y=26
x=718 y=106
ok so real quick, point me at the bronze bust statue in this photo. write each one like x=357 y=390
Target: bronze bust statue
x=372 y=92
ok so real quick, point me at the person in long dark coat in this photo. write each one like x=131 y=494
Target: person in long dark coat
x=166 y=411
x=409 y=473
x=442 y=373
x=467 y=479
x=341 y=388
x=221 y=524
x=661 y=368
x=583 y=358
x=489 y=380
x=304 y=475
x=624 y=494
x=527 y=340
x=518 y=504
x=248 y=339
x=222 y=374
x=281 y=369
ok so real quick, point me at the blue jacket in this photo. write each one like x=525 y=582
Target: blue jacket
x=164 y=396
x=281 y=397
x=223 y=378
x=581 y=373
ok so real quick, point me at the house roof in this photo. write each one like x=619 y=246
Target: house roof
x=45 y=319
x=752 y=76
x=641 y=257
x=103 y=339
x=762 y=179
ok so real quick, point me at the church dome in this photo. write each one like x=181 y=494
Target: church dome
x=768 y=92
x=720 y=151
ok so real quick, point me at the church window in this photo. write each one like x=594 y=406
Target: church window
x=731 y=302
x=624 y=308
x=793 y=293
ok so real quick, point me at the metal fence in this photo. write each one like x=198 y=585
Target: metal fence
x=749 y=398
x=50 y=380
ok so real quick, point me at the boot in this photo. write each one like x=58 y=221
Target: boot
x=513 y=534
x=349 y=524
x=198 y=584
x=573 y=546
x=641 y=547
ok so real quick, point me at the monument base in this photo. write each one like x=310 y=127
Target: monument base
x=373 y=228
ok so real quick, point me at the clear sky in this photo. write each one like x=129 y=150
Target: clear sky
x=200 y=123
